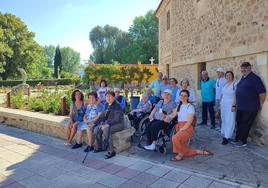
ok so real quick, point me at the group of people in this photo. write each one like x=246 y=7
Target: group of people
x=101 y=115
x=234 y=103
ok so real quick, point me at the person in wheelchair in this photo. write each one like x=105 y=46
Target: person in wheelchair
x=144 y=107
x=184 y=128
x=162 y=109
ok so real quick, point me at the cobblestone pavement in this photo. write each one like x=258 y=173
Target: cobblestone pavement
x=32 y=160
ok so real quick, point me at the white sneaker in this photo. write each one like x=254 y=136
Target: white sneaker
x=150 y=147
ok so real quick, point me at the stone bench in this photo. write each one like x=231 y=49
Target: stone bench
x=55 y=126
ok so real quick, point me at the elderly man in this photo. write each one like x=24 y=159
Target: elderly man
x=156 y=85
x=109 y=122
x=250 y=97
x=161 y=110
x=120 y=98
x=164 y=85
x=208 y=99
x=220 y=83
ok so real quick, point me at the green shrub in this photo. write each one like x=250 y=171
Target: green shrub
x=17 y=100
x=36 y=104
x=45 y=82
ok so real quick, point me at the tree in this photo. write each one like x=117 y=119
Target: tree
x=70 y=60
x=50 y=53
x=18 y=49
x=57 y=62
x=144 y=33
x=139 y=44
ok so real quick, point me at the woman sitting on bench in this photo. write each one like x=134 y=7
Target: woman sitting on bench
x=109 y=122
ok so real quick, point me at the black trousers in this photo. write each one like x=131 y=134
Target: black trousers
x=244 y=121
x=208 y=107
x=153 y=128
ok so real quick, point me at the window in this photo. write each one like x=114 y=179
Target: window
x=168 y=20
x=201 y=67
x=167 y=71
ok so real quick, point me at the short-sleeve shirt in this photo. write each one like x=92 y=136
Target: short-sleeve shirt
x=174 y=92
x=185 y=109
x=220 y=83
x=93 y=110
x=247 y=92
x=208 y=90
x=166 y=108
x=155 y=85
x=102 y=92
x=163 y=87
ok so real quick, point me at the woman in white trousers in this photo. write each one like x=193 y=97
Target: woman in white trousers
x=228 y=108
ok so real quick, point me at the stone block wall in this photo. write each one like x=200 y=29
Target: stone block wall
x=55 y=126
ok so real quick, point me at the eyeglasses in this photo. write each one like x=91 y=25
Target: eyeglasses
x=184 y=95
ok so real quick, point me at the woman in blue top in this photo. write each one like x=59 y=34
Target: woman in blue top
x=77 y=111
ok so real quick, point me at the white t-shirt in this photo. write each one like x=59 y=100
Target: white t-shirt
x=185 y=109
x=220 y=83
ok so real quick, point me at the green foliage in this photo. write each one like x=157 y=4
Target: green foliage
x=18 y=49
x=17 y=100
x=116 y=74
x=57 y=62
x=139 y=44
x=46 y=82
x=70 y=60
x=36 y=104
x=50 y=53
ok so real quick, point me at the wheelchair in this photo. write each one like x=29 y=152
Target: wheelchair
x=164 y=135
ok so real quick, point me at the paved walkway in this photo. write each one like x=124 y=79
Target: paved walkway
x=240 y=164
x=32 y=160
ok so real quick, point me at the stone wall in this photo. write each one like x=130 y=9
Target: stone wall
x=219 y=33
x=56 y=126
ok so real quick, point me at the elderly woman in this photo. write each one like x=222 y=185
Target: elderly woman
x=184 y=128
x=228 y=108
x=185 y=85
x=161 y=110
x=93 y=111
x=77 y=111
x=144 y=107
x=109 y=122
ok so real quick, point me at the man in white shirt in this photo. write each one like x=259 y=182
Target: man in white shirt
x=220 y=82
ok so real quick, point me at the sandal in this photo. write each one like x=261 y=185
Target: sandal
x=110 y=155
x=67 y=144
x=175 y=158
x=206 y=152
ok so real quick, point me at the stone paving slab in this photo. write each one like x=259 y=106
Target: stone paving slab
x=240 y=164
x=34 y=160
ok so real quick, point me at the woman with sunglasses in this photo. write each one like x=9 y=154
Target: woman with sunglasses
x=77 y=111
x=184 y=129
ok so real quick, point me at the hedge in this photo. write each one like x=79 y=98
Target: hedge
x=45 y=82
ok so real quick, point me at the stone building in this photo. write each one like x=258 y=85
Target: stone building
x=206 y=34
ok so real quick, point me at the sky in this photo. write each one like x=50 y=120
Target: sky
x=68 y=22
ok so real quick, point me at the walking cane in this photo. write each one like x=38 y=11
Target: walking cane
x=85 y=158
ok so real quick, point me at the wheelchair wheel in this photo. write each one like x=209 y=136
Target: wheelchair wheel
x=142 y=125
x=162 y=149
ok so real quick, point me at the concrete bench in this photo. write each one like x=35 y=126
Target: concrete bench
x=55 y=126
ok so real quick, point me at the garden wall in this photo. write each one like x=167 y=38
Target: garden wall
x=55 y=126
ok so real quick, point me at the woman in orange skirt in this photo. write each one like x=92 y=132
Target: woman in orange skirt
x=184 y=129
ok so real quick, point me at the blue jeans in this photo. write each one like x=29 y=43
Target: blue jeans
x=208 y=107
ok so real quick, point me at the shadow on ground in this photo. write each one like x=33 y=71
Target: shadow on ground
x=241 y=164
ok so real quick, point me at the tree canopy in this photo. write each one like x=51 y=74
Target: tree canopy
x=18 y=49
x=111 y=44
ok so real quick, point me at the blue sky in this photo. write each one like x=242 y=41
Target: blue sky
x=68 y=22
